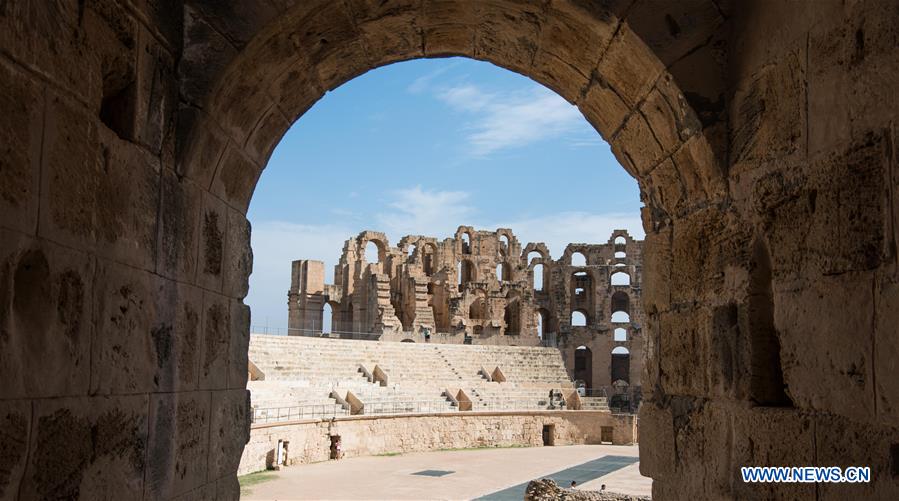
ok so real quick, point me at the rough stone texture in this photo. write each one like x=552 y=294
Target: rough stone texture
x=371 y=435
x=481 y=287
x=762 y=134
x=546 y=489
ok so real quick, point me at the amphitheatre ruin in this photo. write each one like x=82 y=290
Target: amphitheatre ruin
x=762 y=306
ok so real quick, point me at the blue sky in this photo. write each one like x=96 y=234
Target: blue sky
x=422 y=147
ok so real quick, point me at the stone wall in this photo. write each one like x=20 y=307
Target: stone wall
x=483 y=287
x=372 y=435
x=763 y=136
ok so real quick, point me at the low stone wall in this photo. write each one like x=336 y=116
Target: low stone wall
x=371 y=435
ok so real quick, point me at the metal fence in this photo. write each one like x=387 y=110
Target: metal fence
x=286 y=331
x=297 y=412
x=407 y=407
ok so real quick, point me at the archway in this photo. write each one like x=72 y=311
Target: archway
x=621 y=364
x=583 y=366
x=164 y=150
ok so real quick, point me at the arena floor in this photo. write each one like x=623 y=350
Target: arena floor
x=491 y=474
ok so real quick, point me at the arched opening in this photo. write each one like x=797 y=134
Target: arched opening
x=478 y=309
x=542 y=317
x=620 y=255
x=327 y=317
x=466 y=243
x=427 y=258
x=620 y=317
x=407 y=340
x=620 y=334
x=512 y=318
x=411 y=251
x=766 y=383
x=620 y=302
x=578 y=318
x=581 y=287
x=373 y=252
x=578 y=259
x=621 y=364
x=620 y=240
x=504 y=244
x=465 y=272
x=620 y=278
x=583 y=366
x=538 y=277
x=532 y=256
x=504 y=272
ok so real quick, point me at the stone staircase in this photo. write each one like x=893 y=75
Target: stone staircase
x=388 y=377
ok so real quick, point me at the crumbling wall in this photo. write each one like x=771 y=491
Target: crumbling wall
x=762 y=135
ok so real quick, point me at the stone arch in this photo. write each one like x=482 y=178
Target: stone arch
x=621 y=87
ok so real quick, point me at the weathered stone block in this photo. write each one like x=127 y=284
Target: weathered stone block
x=265 y=137
x=238 y=260
x=844 y=442
x=768 y=436
x=629 y=67
x=176 y=334
x=448 y=28
x=638 y=145
x=826 y=343
x=123 y=351
x=213 y=228
x=215 y=341
x=603 y=108
x=178 y=442
x=683 y=351
x=179 y=232
x=656 y=428
x=507 y=33
x=199 y=145
x=239 y=345
x=229 y=432
x=236 y=179
x=88 y=448
x=15 y=428
x=46 y=318
x=886 y=355
x=22 y=106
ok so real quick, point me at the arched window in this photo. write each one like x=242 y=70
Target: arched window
x=620 y=240
x=504 y=243
x=583 y=365
x=538 y=277
x=620 y=302
x=578 y=259
x=542 y=323
x=466 y=271
x=621 y=362
x=620 y=334
x=427 y=259
x=620 y=317
x=407 y=340
x=466 y=243
x=372 y=252
x=533 y=255
x=620 y=255
x=578 y=318
x=512 y=318
x=411 y=250
x=327 y=317
x=478 y=309
x=620 y=278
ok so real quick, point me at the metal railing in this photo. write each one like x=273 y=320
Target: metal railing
x=297 y=412
x=407 y=407
x=334 y=334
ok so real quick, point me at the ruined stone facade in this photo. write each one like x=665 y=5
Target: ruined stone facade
x=762 y=134
x=483 y=287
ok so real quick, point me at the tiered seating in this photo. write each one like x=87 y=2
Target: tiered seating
x=305 y=372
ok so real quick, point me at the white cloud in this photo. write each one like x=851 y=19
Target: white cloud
x=423 y=82
x=416 y=211
x=514 y=119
